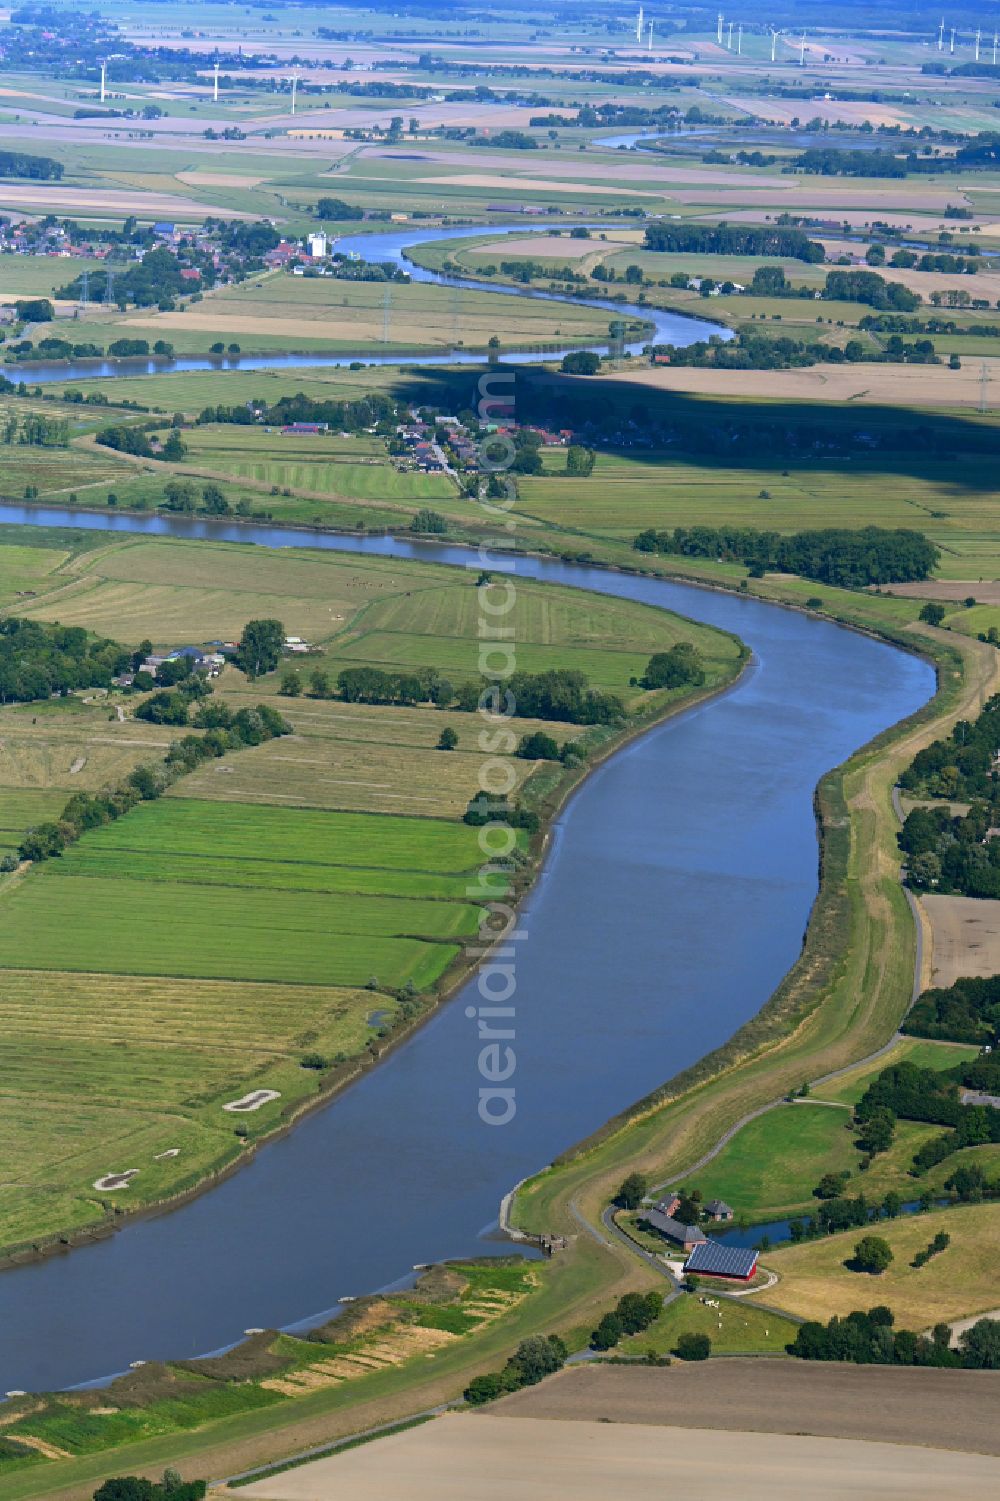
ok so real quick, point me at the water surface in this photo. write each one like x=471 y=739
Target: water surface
x=674 y=898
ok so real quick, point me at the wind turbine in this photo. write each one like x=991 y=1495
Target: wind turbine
x=739 y=40
x=941 y=36
x=104 y=75
x=774 y=40
x=802 y=51
x=638 y=26
x=295 y=84
x=978 y=39
x=718 y=31
x=215 y=82
x=952 y=48
x=994 y=49
x=649 y=40
x=729 y=44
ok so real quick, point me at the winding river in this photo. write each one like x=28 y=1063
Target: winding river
x=674 y=898
x=394 y=246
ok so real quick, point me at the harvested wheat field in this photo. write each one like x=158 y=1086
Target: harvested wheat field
x=965 y=937
x=492 y=1458
x=555 y=247
x=897 y=1404
x=985 y=592
x=892 y=385
x=50 y=198
x=543 y=184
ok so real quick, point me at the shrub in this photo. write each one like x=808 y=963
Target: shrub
x=692 y=1346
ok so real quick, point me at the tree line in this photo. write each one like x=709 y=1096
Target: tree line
x=559 y=694
x=537 y=1356
x=733 y=239
x=226 y=732
x=22 y=164
x=344 y=416
x=752 y=350
x=834 y=555
x=870 y=1339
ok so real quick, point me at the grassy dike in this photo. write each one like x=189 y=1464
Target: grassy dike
x=841 y=1000
x=852 y=984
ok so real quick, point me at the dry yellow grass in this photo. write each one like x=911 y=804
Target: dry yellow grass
x=815 y=1283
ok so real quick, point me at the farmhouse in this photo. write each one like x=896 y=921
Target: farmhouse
x=710 y=1259
x=687 y=1236
x=719 y=1209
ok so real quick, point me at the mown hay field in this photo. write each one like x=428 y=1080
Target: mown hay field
x=252 y=934
x=278 y=310
x=105 y=1073
x=348 y=467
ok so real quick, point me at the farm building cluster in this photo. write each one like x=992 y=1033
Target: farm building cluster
x=708 y=1257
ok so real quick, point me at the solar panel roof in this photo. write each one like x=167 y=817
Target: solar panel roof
x=722 y=1261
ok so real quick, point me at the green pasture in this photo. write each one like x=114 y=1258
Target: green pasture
x=40 y=276
x=252 y=934
x=736 y=1328
x=181 y=827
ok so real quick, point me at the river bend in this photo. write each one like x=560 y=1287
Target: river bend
x=674 y=898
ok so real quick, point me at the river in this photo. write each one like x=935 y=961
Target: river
x=674 y=897
x=393 y=246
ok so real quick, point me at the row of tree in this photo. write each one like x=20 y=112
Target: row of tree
x=733 y=239
x=633 y=1313
x=754 y=350
x=847 y=558
x=536 y=1357
x=869 y=1339
x=87 y=810
x=38 y=168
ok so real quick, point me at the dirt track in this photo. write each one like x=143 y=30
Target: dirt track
x=892 y=1404
x=493 y=1458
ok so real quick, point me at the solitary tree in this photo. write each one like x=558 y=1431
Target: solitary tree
x=872 y=1254
x=448 y=739
x=260 y=647
x=632 y=1191
x=932 y=612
